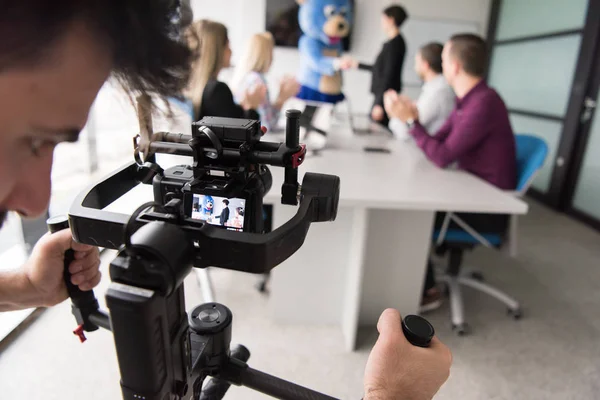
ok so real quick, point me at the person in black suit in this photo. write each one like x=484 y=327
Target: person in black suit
x=224 y=217
x=387 y=70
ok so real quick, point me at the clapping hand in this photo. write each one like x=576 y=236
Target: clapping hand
x=400 y=106
x=377 y=113
x=288 y=88
x=254 y=97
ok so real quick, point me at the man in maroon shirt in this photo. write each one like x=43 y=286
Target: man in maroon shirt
x=477 y=136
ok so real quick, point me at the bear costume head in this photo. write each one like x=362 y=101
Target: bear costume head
x=208 y=205
x=325 y=20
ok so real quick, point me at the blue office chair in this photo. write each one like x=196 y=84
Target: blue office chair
x=531 y=154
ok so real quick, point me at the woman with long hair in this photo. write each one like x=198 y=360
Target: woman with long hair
x=210 y=97
x=250 y=73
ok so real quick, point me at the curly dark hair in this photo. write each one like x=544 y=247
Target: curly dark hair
x=144 y=37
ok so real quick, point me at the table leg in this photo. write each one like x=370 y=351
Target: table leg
x=349 y=271
x=311 y=286
x=396 y=256
x=354 y=279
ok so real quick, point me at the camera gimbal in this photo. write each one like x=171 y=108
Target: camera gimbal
x=163 y=354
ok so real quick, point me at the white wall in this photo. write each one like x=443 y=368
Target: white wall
x=245 y=17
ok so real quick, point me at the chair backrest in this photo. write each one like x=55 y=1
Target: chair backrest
x=531 y=154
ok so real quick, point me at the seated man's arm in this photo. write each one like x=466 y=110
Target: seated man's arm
x=443 y=150
x=440 y=135
x=402 y=109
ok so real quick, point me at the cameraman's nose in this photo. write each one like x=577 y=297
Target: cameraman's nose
x=30 y=196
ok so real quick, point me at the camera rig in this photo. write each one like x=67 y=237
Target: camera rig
x=163 y=353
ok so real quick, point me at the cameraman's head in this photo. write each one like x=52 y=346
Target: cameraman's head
x=54 y=57
x=226 y=203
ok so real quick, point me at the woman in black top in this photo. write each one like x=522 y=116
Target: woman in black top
x=387 y=70
x=210 y=97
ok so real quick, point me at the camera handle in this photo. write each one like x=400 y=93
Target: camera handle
x=210 y=336
x=85 y=306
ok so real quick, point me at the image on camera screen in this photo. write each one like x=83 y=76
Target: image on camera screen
x=228 y=213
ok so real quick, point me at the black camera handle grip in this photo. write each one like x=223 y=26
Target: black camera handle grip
x=417 y=330
x=84 y=303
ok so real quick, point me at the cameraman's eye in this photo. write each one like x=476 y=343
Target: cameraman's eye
x=329 y=11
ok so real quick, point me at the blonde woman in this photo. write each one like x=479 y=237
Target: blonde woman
x=250 y=74
x=210 y=97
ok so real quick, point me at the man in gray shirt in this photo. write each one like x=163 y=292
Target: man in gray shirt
x=436 y=100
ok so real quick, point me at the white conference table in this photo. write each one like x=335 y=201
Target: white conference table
x=375 y=254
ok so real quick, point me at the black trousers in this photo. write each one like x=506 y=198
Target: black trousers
x=482 y=223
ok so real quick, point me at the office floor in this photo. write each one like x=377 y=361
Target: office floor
x=552 y=353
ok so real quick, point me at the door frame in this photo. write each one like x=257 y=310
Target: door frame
x=583 y=136
x=572 y=146
x=565 y=155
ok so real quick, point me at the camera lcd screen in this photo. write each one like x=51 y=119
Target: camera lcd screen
x=228 y=213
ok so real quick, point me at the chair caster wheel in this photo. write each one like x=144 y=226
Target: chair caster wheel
x=517 y=314
x=461 y=329
x=478 y=276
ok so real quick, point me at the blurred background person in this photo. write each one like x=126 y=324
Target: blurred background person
x=238 y=220
x=387 y=70
x=210 y=44
x=477 y=136
x=250 y=74
x=437 y=99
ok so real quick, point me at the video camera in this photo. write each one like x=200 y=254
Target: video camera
x=163 y=354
